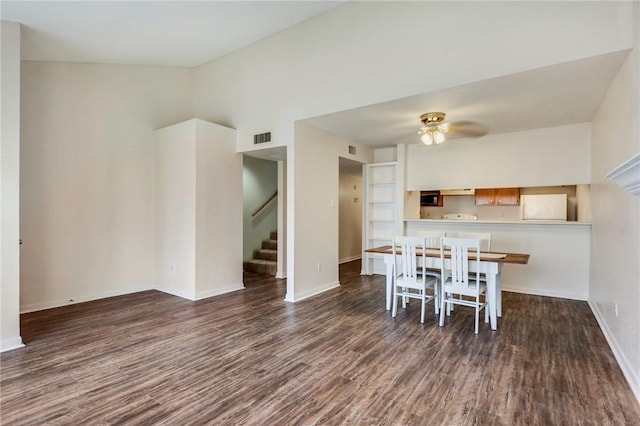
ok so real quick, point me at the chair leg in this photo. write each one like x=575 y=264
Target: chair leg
x=395 y=301
x=477 y=316
x=436 y=296
x=442 y=309
x=486 y=309
x=424 y=303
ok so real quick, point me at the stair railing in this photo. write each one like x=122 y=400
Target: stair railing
x=265 y=204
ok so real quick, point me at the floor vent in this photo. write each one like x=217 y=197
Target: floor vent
x=262 y=138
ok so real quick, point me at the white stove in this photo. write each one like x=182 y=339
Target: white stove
x=459 y=216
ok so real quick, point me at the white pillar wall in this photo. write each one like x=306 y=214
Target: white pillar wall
x=198 y=200
x=10 y=202
x=315 y=207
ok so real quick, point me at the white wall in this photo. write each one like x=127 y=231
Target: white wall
x=362 y=53
x=384 y=155
x=218 y=207
x=198 y=201
x=316 y=192
x=540 y=157
x=175 y=210
x=10 y=200
x=259 y=181
x=87 y=176
x=615 y=239
x=350 y=215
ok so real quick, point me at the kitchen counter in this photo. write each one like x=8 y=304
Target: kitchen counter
x=559 y=250
x=500 y=222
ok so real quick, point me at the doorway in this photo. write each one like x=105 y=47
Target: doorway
x=264 y=198
x=350 y=211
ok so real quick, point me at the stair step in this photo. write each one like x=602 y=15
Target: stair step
x=274 y=235
x=270 y=244
x=260 y=266
x=265 y=254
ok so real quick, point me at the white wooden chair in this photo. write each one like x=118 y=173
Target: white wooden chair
x=457 y=279
x=409 y=279
x=485 y=243
x=484 y=237
x=432 y=241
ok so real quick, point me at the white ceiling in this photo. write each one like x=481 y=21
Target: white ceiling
x=551 y=96
x=189 y=33
x=169 y=33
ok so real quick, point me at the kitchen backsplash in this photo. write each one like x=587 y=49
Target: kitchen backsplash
x=453 y=204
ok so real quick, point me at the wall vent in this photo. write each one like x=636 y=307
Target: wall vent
x=352 y=150
x=262 y=138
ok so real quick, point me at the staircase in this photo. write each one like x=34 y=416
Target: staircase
x=264 y=259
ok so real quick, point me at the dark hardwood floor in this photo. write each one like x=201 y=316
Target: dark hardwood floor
x=338 y=358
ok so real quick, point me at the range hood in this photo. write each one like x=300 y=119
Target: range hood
x=457 y=192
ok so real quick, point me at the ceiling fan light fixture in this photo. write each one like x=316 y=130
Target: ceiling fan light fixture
x=432 y=129
x=435 y=130
x=427 y=139
x=432 y=117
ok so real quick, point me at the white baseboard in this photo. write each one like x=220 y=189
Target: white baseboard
x=87 y=298
x=219 y=291
x=173 y=292
x=313 y=292
x=627 y=369
x=11 y=344
x=84 y=298
x=202 y=294
x=350 y=259
x=545 y=292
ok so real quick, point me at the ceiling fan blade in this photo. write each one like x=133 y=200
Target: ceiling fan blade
x=464 y=129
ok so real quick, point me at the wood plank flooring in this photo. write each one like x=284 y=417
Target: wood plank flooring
x=338 y=358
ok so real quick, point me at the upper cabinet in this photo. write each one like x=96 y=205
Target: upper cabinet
x=498 y=197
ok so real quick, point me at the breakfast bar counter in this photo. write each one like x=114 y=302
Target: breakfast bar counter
x=560 y=252
x=502 y=222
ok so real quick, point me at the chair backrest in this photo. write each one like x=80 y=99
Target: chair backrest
x=432 y=239
x=406 y=251
x=484 y=237
x=460 y=250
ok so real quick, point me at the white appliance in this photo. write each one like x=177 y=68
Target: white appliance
x=544 y=207
x=459 y=216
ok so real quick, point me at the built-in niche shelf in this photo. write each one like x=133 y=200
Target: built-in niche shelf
x=627 y=175
x=382 y=219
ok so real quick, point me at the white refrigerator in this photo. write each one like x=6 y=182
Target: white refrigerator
x=544 y=207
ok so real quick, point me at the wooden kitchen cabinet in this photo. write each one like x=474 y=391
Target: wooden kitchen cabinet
x=498 y=197
x=485 y=197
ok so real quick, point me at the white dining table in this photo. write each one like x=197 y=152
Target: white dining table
x=490 y=264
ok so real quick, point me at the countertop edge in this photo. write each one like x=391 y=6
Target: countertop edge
x=504 y=222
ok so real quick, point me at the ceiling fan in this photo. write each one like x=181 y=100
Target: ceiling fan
x=434 y=128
